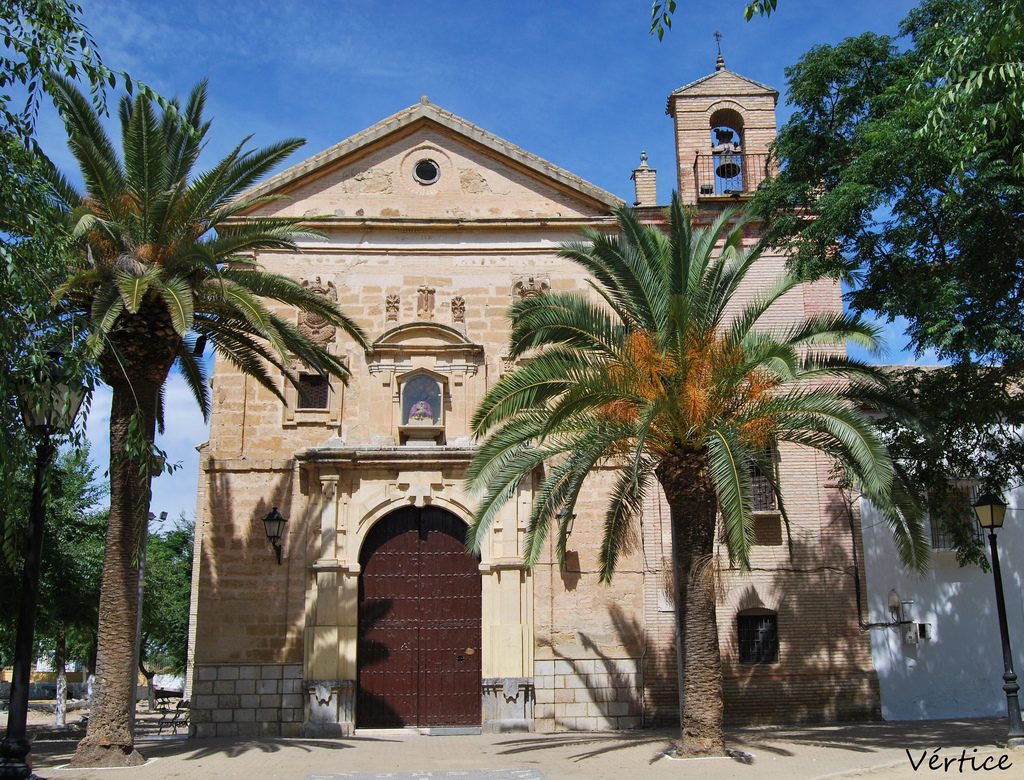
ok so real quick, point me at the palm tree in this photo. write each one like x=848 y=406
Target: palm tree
x=164 y=270
x=667 y=381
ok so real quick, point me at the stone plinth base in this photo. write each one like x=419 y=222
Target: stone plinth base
x=330 y=708
x=508 y=704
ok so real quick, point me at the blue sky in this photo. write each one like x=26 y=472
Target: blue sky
x=581 y=84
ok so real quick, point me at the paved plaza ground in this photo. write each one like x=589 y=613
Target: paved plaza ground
x=875 y=750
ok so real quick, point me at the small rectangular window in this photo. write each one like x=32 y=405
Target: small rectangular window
x=759 y=639
x=953 y=506
x=764 y=496
x=314 y=391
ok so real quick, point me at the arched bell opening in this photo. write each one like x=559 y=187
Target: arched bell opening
x=418 y=658
x=727 y=151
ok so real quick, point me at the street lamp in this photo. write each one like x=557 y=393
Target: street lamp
x=990 y=510
x=49 y=403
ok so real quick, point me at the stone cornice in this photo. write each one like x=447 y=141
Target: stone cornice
x=329 y=223
x=388 y=456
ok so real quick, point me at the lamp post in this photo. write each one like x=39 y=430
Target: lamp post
x=990 y=510
x=49 y=404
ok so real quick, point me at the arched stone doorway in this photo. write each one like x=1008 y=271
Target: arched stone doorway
x=419 y=648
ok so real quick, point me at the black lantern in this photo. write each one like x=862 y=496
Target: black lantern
x=991 y=509
x=274 y=525
x=49 y=402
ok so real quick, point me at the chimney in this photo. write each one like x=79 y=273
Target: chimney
x=645 y=179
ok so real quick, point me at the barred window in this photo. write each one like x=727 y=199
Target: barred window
x=764 y=496
x=954 y=506
x=314 y=391
x=759 y=638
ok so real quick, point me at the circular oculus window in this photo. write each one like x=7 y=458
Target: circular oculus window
x=426 y=172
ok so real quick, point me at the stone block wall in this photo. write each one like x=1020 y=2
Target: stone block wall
x=587 y=694
x=231 y=700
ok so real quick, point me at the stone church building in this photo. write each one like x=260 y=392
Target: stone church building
x=376 y=616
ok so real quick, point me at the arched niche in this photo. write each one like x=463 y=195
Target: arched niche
x=438 y=365
x=422 y=397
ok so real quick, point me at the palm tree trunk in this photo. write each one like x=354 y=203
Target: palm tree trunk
x=109 y=740
x=693 y=509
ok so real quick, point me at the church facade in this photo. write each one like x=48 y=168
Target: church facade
x=372 y=614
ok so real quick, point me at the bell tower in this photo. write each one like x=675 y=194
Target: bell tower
x=724 y=125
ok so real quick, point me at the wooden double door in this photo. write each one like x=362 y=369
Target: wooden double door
x=418 y=656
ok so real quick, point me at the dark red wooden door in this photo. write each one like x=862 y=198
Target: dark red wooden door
x=419 y=623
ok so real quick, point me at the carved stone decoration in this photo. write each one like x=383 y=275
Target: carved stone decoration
x=391 y=304
x=316 y=328
x=529 y=286
x=458 y=309
x=425 y=302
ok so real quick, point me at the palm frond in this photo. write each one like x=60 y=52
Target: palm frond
x=729 y=460
x=195 y=376
x=133 y=287
x=177 y=294
x=624 y=506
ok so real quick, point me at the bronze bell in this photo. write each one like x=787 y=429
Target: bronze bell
x=728 y=167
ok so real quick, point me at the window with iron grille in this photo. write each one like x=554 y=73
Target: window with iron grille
x=314 y=391
x=959 y=500
x=759 y=638
x=764 y=496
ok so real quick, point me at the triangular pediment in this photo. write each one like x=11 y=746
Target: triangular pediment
x=374 y=175
x=724 y=82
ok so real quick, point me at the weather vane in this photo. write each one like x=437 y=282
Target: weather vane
x=720 y=61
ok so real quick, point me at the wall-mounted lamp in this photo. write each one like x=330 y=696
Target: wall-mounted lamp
x=901 y=611
x=274 y=525
x=895 y=606
x=560 y=517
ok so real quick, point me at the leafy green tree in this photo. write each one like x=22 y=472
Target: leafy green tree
x=42 y=38
x=160 y=271
x=69 y=585
x=663 y=11
x=165 y=602
x=901 y=172
x=664 y=379
x=973 y=417
x=929 y=230
x=70 y=569
x=974 y=79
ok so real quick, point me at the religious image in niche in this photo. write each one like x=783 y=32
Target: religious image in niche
x=422 y=401
x=421 y=412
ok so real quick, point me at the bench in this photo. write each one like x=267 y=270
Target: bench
x=172 y=717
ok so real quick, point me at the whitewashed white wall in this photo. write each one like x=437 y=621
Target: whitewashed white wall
x=959 y=672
